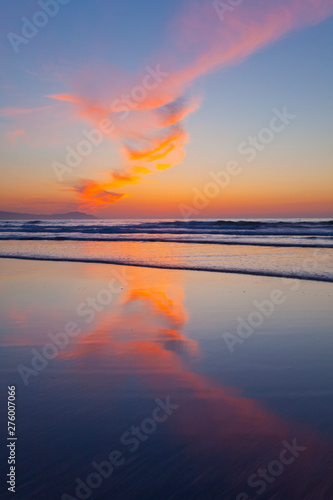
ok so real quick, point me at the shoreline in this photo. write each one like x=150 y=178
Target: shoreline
x=267 y=274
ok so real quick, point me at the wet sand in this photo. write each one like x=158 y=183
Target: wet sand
x=173 y=384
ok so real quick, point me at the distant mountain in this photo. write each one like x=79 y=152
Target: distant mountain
x=67 y=216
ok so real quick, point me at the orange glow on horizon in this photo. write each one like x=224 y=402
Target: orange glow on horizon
x=163 y=107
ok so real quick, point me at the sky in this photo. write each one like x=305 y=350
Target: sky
x=167 y=109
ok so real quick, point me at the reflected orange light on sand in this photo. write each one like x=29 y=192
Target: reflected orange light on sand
x=150 y=317
x=143 y=336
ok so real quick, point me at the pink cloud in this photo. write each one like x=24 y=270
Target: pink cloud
x=148 y=117
x=13 y=135
x=9 y=112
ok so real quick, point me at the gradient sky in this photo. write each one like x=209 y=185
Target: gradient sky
x=224 y=79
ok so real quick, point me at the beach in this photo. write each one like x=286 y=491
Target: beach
x=166 y=250
x=138 y=382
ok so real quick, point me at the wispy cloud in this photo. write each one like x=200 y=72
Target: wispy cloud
x=149 y=126
x=13 y=135
x=93 y=195
x=12 y=112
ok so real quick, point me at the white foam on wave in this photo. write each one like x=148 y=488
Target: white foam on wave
x=298 y=274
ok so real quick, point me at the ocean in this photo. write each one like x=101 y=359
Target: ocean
x=297 y=248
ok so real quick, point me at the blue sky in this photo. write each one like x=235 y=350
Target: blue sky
x=294 y=71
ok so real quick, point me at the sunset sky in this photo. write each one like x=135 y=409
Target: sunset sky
x=176 y=90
